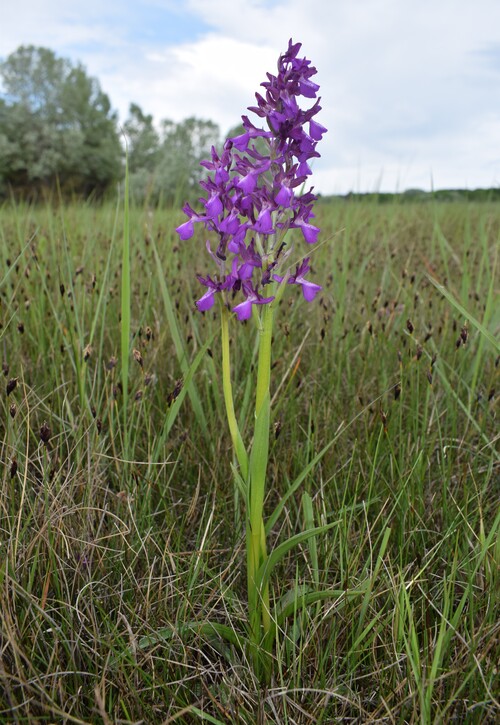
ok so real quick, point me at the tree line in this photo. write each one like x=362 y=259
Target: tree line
x=59 y=132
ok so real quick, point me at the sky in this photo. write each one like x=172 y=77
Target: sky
x=410 y=88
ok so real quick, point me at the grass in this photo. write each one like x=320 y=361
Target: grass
x=121 y=527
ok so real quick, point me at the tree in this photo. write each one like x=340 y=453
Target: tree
x=184 y=146
x=55 y=123
x=143 y=140
x=165 y=164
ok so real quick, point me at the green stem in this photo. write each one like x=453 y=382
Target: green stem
x=253 y=471
x=264 y=364
x=258 y=596
x=236 y=438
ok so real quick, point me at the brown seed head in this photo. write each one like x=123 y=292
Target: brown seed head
x=11 y=385
x=138 y=357
x=45 y=433
x=175 y=392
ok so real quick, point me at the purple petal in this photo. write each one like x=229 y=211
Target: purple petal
x=186 y=230
x=264 y=223
x=309 y=231
x=247 y=183
x=214 y=207
x=263 y=300
x=304 y=169
x=243 y=310
x=309 y=289
x=241 y=142
x=207 y=301
x=221 y=176
x=316 y=130
x=230 y=224
x=308 y=88
x=284 y=196
x=246 y=270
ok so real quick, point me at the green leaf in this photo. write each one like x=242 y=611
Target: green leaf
x=309 y=524
x=258 y=461
x=205 y=629
x=280 y=551
x=205 y=716
x=303 y=596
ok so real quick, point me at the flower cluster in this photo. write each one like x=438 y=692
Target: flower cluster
x=252 y=192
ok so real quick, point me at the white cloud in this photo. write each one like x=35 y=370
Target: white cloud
x=410 y=90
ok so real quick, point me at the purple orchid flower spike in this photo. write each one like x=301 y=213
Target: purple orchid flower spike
x=253 y=185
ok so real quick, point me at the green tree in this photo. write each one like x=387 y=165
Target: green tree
x=143 y=140
x=184 y=146
x=165 y=164
x=55 y=122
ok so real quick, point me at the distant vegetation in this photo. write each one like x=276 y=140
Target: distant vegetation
x=412 y=195
x=58 y=132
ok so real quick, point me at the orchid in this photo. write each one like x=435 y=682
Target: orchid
x=251 y=208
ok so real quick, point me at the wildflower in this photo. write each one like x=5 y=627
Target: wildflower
x=251 y=198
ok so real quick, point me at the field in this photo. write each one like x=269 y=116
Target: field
x=119 y=518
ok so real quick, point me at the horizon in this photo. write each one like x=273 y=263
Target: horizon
x=407 y=103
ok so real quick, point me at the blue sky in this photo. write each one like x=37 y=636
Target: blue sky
x=410 y=90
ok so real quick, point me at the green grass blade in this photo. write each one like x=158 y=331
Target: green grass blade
x=303 y=596
x=277 y=554
x=467 y=315
x=177 y=340
x=125 y=305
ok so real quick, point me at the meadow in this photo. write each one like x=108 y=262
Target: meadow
x=119 y=517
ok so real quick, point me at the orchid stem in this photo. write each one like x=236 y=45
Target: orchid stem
x=258 y=596
x=236 y=438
